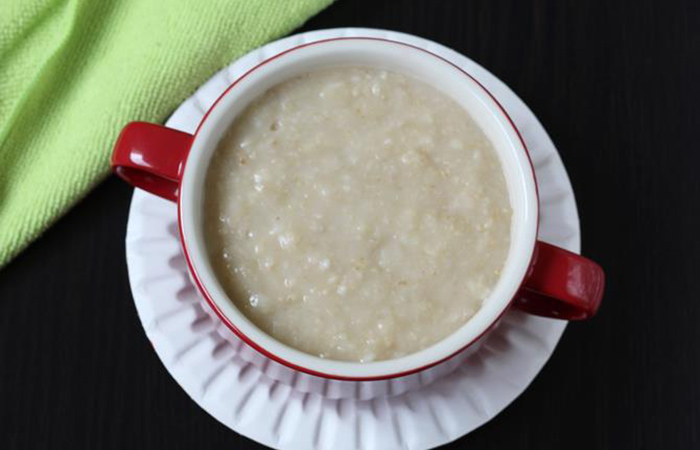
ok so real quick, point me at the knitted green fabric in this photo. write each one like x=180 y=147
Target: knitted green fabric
x=73 y=72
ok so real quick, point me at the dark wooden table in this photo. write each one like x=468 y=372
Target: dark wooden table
x=616 y=84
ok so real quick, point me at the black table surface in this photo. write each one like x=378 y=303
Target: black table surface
x=617 y=86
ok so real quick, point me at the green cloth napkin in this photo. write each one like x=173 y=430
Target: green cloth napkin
x=73 y=73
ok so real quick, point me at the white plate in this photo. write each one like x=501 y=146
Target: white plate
x=229 y=381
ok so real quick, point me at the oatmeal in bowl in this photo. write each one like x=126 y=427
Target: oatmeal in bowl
x=357 y=214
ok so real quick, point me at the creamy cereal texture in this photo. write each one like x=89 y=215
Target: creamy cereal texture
x=357 y=214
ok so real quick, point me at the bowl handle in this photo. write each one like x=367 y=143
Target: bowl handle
x=151 y=157
x=561 y=285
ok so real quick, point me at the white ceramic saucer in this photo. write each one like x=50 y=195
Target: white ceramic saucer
x=219 y=373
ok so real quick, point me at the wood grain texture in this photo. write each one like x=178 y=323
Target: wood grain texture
x=616 y=85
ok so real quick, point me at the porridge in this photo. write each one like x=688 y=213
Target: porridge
x=356 y=214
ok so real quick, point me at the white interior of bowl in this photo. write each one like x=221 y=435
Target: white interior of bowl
x=394 y=57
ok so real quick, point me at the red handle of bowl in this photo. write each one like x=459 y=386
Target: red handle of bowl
x=561 y=284
x=151 y=157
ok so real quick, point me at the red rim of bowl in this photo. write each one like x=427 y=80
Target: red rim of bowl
x=212 y=304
